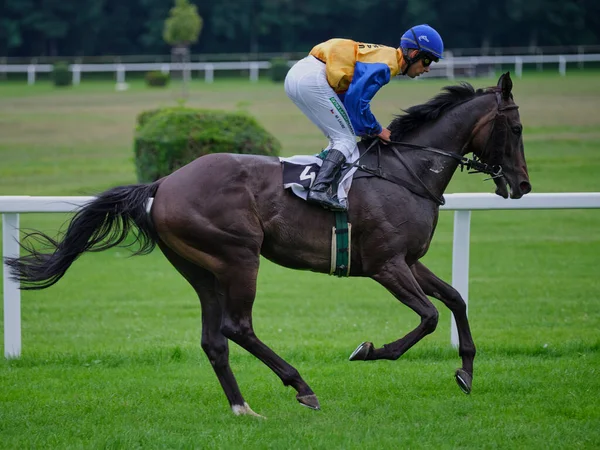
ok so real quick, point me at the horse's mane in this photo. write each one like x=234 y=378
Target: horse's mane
x=415 y=116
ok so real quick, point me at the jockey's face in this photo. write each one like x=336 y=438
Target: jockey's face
x=421 y=65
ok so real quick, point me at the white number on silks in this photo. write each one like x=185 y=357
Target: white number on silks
x=308 y=175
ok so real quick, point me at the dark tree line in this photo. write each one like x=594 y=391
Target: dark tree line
x=127 y=27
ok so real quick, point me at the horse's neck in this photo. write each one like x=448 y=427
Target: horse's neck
x=450 y=133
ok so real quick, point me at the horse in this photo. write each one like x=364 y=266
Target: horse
x=214 y=217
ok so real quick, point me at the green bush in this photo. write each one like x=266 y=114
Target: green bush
x=157 y=79
x=167 y=139
x=145 y=116
x=61 y=76
x=279 y=69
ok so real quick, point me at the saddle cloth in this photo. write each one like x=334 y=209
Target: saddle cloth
x=300 y=171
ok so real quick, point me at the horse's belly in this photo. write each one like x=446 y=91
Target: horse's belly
x=298 y=236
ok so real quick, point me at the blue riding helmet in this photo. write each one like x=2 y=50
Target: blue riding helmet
x=423 y=38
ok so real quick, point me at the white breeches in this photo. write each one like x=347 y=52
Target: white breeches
x=306 y=85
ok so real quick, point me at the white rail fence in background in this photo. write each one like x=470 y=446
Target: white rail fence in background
x=462 y=204
x=447 y=67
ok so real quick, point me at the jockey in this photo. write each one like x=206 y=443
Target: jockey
x=334 y=85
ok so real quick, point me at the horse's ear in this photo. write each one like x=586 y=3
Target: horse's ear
x=505 y=85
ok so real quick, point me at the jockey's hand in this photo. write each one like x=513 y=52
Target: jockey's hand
x=384 y=135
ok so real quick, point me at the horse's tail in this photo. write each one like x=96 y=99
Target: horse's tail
x=103 y=223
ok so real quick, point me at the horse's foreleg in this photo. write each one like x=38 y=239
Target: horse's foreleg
x=240 y=290
x=399 y=280
x=435 y=287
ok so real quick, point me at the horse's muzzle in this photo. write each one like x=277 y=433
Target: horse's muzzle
x=518 y=188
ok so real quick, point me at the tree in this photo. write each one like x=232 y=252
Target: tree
x=182 y=29
x=34 y=28
x=183 y=26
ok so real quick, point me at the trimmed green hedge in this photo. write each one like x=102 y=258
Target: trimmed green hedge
x=61 y=75
x=167 y=139
x=157 y=79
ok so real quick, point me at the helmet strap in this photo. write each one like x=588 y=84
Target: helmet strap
x=409 y=61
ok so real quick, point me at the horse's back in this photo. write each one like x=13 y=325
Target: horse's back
x=219 y=168
x=218 y=173
x=216 y=189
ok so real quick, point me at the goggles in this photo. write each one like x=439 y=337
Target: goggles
x=426 y=58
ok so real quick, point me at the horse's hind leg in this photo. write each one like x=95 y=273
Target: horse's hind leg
x=399 y=280
x=435 y=287
x=214 y=343
x=239 y=284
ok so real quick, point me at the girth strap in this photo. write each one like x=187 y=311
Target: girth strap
x=341 y=249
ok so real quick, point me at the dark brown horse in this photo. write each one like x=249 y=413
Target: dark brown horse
x=214 y=217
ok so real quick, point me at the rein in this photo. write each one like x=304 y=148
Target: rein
x=472 y=165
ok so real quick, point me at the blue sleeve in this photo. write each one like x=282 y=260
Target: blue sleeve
x=368 y=78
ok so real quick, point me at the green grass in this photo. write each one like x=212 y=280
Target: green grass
x=111 y=354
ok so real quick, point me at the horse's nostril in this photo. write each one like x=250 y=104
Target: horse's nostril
x=525 y=187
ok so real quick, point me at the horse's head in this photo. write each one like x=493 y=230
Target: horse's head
x=497 y=139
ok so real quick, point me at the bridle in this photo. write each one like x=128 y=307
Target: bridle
x=496 y=170
x=474 y=165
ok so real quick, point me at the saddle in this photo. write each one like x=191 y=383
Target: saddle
x=299 y=172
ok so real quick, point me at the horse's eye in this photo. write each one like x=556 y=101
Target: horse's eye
x=517 y=129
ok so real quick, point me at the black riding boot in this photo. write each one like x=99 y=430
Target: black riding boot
x=322 y=191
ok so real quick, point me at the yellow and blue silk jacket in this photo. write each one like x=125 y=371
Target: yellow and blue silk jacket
x=356 y=71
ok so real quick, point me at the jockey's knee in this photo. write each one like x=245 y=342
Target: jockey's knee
x=346 y=147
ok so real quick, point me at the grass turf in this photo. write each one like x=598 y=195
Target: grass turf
x=111 y=355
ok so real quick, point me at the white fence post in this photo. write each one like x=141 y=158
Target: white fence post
x=3 y=68
x=12 y=294
x=76 y=68
x=121 y=74
x=519 y=67
x=31 y=74
x=450 y=68
x=460 y=262
x=253 y=72
x=121 y=85
x=562 y=65
x=209 y=73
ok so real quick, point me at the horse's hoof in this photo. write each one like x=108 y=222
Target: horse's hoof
x=245 y=410
x=361 y=352
x=310 y=401
x=464 y=380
